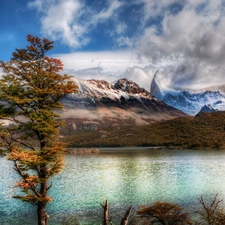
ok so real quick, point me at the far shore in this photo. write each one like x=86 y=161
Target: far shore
x=129 y=148
x=134 y=149
x=90 y=150
x=82 y=151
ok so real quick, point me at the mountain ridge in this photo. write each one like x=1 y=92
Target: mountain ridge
x=189 y=101
x=99 y=103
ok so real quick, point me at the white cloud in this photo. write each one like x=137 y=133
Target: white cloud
x=38 y=4
x=109 y=12
x=117 y=61
x=191 y=43
x=120 y=28
x=107 y=65
x=186 y=38
x=153 y=9
x=110 y=61
x=125 y=41
x=142 y=76
x=70 y=20
x=60 y=21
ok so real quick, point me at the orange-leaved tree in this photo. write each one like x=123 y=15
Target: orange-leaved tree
x=161 y=213
x=30 y=93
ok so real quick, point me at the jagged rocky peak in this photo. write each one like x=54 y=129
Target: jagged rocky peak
x=130 y=87
x=102 y=84
x=155 y=89
x=123 y=85
x=98 y=89
x=99 y=104
x=187 y=100
x=206 y=109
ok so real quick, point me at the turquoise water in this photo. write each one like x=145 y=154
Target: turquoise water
x=123 y=178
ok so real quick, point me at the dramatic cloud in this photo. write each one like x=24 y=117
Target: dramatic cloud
x=192 y=41
x=153 y=9
x=183 y=39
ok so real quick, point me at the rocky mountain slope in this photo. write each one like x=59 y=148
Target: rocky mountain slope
x=100 y=104
x=189 y=101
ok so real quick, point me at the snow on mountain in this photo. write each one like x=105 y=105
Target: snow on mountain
x=100 y=104
x=189 y=101
x=206 y=108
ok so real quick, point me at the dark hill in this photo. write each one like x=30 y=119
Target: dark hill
x=205 y=131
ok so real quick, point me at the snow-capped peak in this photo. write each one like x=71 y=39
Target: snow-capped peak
x=189 y=101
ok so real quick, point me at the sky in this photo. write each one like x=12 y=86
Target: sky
x=182 y=40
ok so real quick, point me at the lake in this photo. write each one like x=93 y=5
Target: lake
x=122 y=176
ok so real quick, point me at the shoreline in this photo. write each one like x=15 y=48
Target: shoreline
x=74 y=151
x=132 y=149
x=83 y=151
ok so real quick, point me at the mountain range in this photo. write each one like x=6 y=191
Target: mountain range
x=100 y=104
x=189 y=101
x=111 y=114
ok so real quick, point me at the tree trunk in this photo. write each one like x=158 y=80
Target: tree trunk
x=42 y=214
x=106 y=213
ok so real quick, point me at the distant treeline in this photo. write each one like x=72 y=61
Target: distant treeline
x=204 y=131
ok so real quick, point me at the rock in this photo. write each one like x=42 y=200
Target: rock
x=155 y=89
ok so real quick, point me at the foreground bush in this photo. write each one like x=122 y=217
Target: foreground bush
x=161 y=213
x=165 y=213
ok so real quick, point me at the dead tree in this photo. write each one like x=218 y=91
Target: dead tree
x=124 y=221
x=106 y=213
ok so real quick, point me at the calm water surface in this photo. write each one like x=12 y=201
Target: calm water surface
x=123 y=178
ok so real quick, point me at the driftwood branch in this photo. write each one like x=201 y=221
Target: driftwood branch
x=107 y=220
x=106 y=213
x=125 y=219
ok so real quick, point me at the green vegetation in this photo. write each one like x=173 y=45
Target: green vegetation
x=204 y=131
x=30 y=91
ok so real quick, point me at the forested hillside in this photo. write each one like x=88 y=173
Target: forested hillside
x=205 y=130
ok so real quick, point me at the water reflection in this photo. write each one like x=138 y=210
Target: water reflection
x=127 y=178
